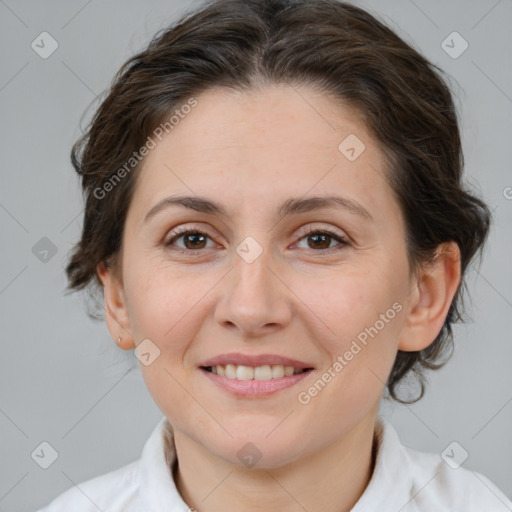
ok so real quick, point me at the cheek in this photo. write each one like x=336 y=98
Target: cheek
x=163 y=305
x=359 y=315
x=359 y=348
x=347 y=302
x=159 y=301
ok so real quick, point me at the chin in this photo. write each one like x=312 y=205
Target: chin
x=256 y=449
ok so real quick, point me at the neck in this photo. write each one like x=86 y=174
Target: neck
x=210 y=484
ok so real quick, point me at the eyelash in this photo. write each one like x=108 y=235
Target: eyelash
x=312 y=231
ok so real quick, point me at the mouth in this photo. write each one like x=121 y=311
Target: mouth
x=261 y=373
x=254 y=375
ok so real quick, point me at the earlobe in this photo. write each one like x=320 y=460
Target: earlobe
x=431 y=300
x=116 y=312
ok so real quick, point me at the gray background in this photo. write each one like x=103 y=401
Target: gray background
x=64 y=381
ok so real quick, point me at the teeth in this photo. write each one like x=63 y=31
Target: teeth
x=277 y=371
x=230 y=371
x=266 y=372
x=244 y=372
x=263 y=372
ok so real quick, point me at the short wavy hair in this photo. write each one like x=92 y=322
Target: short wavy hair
x=340 y=50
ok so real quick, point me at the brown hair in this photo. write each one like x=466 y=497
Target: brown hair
x=340 y=50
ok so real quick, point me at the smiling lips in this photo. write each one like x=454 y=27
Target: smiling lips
x=254 y=376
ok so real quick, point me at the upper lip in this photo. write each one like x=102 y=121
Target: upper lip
x=255 y=360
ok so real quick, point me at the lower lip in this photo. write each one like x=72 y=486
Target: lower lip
x=254 y=388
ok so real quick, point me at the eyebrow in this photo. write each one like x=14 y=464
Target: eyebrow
x=291 y=206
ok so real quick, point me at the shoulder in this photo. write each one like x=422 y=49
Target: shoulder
x=451 y=487
x=144 y=484
x=111 y=492
x=416 y=481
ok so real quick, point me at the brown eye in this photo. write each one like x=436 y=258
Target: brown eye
x=320 y=240
x=192 y=240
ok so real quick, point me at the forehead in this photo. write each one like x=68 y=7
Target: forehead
x=272 y=143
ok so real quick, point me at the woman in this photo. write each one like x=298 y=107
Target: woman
x=276 y=218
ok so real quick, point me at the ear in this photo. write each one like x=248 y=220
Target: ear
x=431 y=299
x=116 y=312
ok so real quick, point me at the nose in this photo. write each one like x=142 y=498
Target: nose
x=255 y=300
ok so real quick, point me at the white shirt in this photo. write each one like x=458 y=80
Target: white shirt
x=404 y=480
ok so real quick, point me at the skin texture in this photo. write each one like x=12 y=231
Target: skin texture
x=301 y=298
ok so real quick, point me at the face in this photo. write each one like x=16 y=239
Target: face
x=324 y=288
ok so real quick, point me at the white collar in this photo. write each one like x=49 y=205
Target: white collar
x=390 y=486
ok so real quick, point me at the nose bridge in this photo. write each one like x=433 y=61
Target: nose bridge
x=255 y=299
